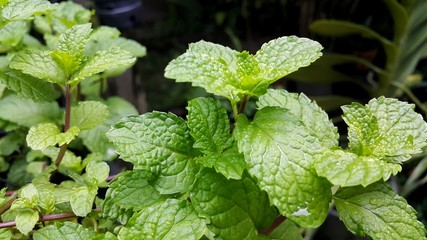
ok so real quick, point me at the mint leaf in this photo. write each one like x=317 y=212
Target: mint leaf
x=101 y=62
x=209 y=125
x=129 y=192
x=312 y=116
x=286 y=230
x=82 y=200
x=152 y=140
x=235 y=209
x=39 y=64
x=27 y=113
x=5 y=233
x=379 y=212
x=88 y=114
x=94 y=139
x=27 y=86
x=230 y=163
x=24 y=10
x=172 y=219
x=350 y=169
x=97 y=170
x=65 y=231
x=279 y=151
x=66 y=15
x=69 y=162
x=26 y=220
x=228 y=73
x=47 y=135
x=13 y=33
x=385 y=128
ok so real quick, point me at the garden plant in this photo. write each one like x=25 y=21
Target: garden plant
x=210 y=175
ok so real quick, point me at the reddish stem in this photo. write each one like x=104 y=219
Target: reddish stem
x=273 y=226
x=42 y=219
x=66 y=123
x=7 y=205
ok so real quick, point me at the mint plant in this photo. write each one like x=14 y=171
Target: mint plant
x=210 y=176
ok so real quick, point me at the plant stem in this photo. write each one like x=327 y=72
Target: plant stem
x=42 y=219
x=243 y=104
x=66 y=123
x=273 y=226
x=7 y=205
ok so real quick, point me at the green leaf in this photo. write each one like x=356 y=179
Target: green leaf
x=228 y=73
x=95 y=140
x=209 y=125
x=97 y=170
x=11 y=142
x=279 y=150
x=312 y=116
x=28 y=113
x=64 y=231
x=13 y=33
x=69 y=162
x=348 y=169
x=5 y=233
x=172 y=219
x=101 y=62
x=230 y=163
x=286 y=231
x=82 y=200
x=26 y=220
x=379 y=212
x=46 y=135
x=385 y=128
x=129 y=192
x=88 y=114
x=24 y=10
x=39 y=64
x=235 y=209
x=27 y=86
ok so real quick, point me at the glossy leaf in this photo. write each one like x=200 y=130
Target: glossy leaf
x=377 y=211
x=47 y=135
x=279 y=150
x=286 y=230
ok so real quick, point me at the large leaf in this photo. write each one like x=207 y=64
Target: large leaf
x=379 y=212
x=228 y=73
x=209 y=125
x=279 y=150
x=385 y=128
x=172 y=219
x=65 y=231
x=24 y=10
x=235 y=209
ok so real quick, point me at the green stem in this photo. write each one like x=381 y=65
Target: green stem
x=411 y=95
x=66 y=123
x=235 y=111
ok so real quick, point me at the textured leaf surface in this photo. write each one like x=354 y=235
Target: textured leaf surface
x=88 y=114
x=13 y=33
x=27 y=113
x=26 y=220
x=97 y=170
x=235 y=209
x=81 y=200
x=47 y=135
x=129 y=192
x=286 y=231
x=279 y=151
x=312 y=116
x=39 y=64
x=102 y=61
x=172 y=219
x=230 y=163
x=348 y=169
x=209 y=125
x=23 y=9
x=385 y=128
x=27 y=86
x=379 y=212
x=228 y=73
x=65 y=231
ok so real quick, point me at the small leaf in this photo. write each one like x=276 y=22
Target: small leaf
x=5 y=233
x=70 y=161
x=26 y=220
x=235 y=209
x=129 y=192
x=101 y=62
x=97 y=170
x=279 y=151
x=209 y=125
x=230 y=163
x=65 y=231
x=172 y=219
x=47 y=135
x=39 y=64
x=82 y=200
x=377 y=211
x=24 y=10
x=88 y=114
x=385 y=128
x=348 y=169
x=28 y=113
